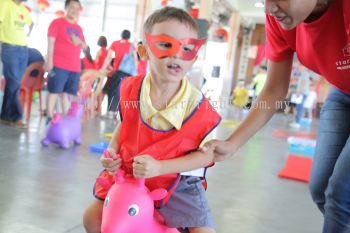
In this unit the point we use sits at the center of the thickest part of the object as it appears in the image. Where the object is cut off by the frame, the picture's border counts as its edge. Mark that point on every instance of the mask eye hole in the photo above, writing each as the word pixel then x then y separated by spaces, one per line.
pixel 188 48
pixel 133 210
pixel 164 45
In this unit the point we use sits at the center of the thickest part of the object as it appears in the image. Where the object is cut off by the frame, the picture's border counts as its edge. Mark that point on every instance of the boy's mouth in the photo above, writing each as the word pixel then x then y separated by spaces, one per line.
pixel 174 68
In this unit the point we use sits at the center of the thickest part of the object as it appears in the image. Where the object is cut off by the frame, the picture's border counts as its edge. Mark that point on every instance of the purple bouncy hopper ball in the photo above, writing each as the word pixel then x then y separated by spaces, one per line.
pixel 62 130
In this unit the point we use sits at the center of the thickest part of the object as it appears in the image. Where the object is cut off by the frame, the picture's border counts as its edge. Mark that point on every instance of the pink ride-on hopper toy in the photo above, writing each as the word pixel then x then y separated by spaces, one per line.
pixel 64 129
pixel 129 207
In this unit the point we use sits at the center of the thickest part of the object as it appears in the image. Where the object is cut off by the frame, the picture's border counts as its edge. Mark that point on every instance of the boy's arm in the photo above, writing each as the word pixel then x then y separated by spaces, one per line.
pixel 145 166
pixel 114 143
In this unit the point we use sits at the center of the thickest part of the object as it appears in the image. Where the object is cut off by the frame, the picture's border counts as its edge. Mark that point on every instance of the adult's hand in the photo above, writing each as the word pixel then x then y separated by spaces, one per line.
pixel 222 149
pixel 48 66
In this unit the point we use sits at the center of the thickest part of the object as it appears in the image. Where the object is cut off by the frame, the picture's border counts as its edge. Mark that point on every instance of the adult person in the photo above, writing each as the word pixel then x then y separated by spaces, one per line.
pixel 65 41
pixel 319 32
pixel 119 49
pixel 14 18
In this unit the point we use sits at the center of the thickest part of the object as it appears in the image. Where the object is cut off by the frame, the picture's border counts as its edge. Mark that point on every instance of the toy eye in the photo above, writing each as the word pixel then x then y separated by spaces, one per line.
pixel 133 210
pixel 106 202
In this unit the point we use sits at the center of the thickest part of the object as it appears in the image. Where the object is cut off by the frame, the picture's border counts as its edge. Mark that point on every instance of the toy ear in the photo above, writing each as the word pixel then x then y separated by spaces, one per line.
pixel 158 194
pixel 103 182
pixel 141 50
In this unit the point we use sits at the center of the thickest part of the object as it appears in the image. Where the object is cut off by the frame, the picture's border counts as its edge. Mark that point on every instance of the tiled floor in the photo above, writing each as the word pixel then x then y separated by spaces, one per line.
pixel 45 190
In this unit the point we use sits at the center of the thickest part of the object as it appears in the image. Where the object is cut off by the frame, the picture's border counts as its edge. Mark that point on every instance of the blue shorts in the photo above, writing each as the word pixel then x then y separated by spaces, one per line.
pixel 61 80
pixel 188 206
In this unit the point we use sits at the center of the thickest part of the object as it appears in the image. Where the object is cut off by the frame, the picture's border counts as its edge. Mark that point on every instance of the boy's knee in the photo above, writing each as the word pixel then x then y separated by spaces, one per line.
pixel 93 217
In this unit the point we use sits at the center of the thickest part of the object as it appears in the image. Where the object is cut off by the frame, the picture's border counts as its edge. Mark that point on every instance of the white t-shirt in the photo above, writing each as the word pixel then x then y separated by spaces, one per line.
pixel 310 99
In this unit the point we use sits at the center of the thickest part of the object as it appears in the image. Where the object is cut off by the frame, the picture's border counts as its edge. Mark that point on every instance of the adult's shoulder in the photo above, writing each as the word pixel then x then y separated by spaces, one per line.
pixel 57 21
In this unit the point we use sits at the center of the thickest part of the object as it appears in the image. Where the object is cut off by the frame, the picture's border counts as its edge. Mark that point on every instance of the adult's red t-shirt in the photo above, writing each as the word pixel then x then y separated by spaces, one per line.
pixel 119 47
pixel 323 45
pixel 66 55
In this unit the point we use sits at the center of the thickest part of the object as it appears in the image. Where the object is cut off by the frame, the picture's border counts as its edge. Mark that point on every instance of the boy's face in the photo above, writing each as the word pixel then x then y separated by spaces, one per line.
pixel 172 68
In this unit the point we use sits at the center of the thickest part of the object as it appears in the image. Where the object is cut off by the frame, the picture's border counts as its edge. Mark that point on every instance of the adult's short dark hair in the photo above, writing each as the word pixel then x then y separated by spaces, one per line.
pixel 69 1
pixel 126 34
pixel 169 13
pixel 263 67
pixel 102 41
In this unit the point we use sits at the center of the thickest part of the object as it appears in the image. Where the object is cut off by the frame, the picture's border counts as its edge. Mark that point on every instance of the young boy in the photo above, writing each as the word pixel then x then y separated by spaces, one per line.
pixel 155 138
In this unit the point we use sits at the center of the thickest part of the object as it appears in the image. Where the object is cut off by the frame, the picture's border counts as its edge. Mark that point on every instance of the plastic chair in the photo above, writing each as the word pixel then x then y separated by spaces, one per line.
pixel 33 80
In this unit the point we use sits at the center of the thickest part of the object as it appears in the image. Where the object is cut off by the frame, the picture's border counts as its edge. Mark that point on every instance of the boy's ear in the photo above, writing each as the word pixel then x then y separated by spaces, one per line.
pixel 141 50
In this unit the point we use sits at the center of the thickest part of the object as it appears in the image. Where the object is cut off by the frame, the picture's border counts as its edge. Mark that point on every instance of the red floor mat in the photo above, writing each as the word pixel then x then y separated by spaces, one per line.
pixel 285 134
pixel 297 168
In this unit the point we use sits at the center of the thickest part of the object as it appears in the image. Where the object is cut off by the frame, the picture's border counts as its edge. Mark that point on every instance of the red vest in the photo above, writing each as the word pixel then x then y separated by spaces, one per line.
pixel 136 137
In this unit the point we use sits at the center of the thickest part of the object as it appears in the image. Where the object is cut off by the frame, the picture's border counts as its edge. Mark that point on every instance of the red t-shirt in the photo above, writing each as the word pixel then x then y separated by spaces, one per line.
pixel 323 45
pixel 119 47
pixel 88 65
pixel 66 55
pixel 101 58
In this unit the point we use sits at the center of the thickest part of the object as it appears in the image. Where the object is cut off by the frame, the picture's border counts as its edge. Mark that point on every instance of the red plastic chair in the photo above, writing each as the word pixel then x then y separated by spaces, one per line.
pixel 31 84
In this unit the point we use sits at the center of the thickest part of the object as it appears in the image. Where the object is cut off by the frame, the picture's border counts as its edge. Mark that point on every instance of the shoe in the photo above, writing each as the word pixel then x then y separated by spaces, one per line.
pixel 48 120
pixel 294 125
pixel 20 124
pixel 5 122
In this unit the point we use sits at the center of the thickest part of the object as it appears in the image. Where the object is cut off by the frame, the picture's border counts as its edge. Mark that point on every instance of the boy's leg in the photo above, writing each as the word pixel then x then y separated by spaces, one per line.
pixel 188 207
pixel 93 217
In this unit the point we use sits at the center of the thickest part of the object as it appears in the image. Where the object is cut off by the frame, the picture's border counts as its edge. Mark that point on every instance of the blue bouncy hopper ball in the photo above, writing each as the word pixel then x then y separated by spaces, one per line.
pixel 99 147
pixel 305 122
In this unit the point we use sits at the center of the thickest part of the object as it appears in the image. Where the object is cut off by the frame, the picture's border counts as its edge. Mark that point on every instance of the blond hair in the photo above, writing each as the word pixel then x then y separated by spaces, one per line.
pixel 169 13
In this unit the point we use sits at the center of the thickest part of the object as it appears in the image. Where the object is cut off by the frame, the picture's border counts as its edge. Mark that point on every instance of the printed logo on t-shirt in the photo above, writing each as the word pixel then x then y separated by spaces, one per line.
pixel 20 22
pixel 344 64
pixel 346 50
pixel 72 31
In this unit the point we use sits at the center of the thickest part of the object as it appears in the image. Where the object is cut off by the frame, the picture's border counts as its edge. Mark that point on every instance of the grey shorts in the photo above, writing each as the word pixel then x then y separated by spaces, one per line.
pixel 188 206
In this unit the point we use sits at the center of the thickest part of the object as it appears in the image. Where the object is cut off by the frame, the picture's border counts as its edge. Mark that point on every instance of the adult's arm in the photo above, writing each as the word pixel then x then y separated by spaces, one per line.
pixel 50 49
pixel 107 61
pixel 274 91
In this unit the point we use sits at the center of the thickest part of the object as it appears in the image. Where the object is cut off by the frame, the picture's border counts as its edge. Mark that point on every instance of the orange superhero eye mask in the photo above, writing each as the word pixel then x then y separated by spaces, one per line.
pixel 163 46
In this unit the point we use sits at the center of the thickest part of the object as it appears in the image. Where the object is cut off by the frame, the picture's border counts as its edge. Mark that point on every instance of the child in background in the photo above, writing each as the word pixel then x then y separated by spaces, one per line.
pixel 141 64
pixel 310 102
pixel 155 139
pixel 87 63
pixel 102 53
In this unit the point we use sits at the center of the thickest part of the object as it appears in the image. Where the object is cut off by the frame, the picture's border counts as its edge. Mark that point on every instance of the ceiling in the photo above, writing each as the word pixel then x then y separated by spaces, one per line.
pixel 248 10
